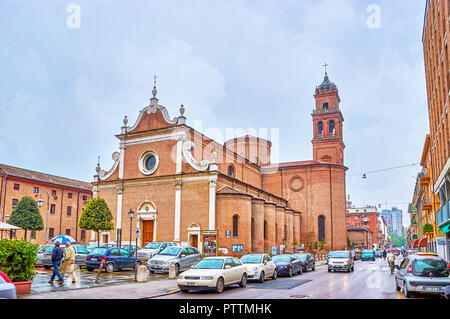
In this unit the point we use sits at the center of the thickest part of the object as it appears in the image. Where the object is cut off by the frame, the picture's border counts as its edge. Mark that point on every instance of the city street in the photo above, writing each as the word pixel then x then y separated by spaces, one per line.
pixel 370 280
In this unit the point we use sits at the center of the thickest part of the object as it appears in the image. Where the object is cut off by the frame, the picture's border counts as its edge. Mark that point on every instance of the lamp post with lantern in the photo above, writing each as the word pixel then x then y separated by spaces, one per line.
pixel 40 202
pixel 131 215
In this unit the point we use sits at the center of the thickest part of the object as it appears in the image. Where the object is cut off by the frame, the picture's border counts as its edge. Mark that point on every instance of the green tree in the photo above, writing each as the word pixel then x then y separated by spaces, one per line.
pixel 97 217
pixel 26 215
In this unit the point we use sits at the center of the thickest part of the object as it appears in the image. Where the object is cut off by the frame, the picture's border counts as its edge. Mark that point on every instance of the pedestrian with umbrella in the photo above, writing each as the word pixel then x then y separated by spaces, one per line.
pixel 57 255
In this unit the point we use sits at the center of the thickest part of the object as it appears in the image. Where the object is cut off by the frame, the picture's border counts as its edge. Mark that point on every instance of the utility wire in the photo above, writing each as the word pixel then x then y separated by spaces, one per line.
pixel 385 169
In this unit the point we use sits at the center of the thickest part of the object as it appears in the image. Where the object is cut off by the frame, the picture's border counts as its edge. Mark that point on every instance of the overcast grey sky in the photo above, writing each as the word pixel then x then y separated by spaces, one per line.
pixel 233 64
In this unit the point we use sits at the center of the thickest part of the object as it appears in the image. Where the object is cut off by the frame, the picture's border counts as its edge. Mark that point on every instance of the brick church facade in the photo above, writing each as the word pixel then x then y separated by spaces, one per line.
pixel 180 183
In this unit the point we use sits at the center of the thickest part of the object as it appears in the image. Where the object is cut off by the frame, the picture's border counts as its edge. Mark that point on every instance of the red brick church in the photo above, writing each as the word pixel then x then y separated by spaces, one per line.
pixel 183 186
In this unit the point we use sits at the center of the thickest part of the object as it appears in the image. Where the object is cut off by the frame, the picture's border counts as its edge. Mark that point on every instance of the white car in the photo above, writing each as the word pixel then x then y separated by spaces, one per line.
pixel 213 273
pixel 259 267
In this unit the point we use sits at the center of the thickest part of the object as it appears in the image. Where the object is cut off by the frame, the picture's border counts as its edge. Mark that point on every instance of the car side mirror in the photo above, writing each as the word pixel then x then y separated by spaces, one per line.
pixel 182 255
pixel 265 262
pixel 227 267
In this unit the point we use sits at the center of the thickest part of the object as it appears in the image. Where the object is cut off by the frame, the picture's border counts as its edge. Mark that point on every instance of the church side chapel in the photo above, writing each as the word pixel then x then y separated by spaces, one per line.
pixel 181 185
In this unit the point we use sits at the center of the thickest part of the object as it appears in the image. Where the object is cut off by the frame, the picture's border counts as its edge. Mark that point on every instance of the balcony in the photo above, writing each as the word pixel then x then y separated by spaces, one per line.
pixel 424 177
pixel 443 215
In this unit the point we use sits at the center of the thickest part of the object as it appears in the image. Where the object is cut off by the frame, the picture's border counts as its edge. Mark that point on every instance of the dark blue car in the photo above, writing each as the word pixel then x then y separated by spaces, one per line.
pixel 287 265
pixel 115 258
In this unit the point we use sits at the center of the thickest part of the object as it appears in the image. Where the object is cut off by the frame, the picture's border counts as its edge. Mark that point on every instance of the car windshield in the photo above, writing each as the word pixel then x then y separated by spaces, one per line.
pixel 171 251
pixel 98 251
pixel 47 249
pixel 367 251
pixel 283 259
pixel 301 256
pixel 252 259
pixel 209 264
pixel 430 268
pixel 339 254
pixel 152 246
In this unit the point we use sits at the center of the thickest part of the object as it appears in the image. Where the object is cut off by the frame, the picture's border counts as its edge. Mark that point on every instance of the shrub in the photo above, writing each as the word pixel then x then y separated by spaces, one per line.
pixel 17 259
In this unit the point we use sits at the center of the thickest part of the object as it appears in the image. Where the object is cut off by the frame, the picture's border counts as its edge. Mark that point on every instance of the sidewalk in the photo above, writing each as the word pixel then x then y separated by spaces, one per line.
pixel 151 288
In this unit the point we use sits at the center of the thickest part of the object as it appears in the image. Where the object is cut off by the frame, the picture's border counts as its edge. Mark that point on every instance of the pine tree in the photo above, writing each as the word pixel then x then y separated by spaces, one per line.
pixel 97 217
pixel 26 215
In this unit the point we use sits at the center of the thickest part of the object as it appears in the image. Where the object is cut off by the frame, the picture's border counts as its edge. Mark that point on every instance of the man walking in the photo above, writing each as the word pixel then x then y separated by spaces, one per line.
pixel 69 262
pixel 57 255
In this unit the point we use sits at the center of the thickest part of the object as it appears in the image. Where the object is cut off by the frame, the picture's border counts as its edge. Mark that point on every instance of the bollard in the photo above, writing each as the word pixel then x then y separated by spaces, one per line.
pixel 141 274
pixel 172 272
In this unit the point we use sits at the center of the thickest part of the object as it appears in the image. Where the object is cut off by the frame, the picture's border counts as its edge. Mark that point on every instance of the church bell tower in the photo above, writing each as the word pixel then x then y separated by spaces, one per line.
pixel 328 145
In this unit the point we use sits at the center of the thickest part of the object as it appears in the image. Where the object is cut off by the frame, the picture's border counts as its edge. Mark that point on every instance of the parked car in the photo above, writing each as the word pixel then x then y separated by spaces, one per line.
pixel 7 288
pixel 379 254
pixel 424 253
pixel 259 267
pixel 80 255
pixel 131 248
pixel 115 258
pixel 328 257
pixel 341 260
pixel 213 273
pixel 287 265
pixel 422 274
pixel 151 249
pixel 307 261
pixel 108 246
pixel 89 247
pixel 182 257
pixel 368 254
pixel 41 252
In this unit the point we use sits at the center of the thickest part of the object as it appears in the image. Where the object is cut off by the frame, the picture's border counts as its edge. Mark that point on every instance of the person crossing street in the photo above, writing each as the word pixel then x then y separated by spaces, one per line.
pixel 57 255
pixel 69 262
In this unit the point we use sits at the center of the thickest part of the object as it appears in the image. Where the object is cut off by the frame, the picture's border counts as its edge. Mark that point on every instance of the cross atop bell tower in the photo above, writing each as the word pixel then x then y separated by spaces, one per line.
pixel 328 145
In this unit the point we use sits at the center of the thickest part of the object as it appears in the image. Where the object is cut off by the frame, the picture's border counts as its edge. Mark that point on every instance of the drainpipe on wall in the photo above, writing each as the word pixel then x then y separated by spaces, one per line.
pixel 76 220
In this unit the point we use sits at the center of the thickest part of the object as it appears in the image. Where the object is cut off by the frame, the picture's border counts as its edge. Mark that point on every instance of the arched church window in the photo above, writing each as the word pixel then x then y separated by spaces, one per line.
pixel 230 171
pixel 235 225
pixel 331 127
pixel 320 128
pixel 321 226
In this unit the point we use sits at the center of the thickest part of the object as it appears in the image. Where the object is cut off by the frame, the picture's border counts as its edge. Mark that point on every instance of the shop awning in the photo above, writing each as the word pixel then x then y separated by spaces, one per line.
pixel 416 243
pixel 5 226
pixel 423 242
pixel 444 229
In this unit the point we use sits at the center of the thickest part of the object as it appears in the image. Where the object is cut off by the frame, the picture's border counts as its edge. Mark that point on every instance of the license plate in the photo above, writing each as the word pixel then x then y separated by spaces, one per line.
pixel 94 259
pixel 432 289
pixel 191 283
pixel 338 266
pixel 156 266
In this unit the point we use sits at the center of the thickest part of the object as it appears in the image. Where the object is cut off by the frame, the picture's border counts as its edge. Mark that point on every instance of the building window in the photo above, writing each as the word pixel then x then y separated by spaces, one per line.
pixel 148 163
pixel 69 210
pixel 331 128
pixel 53 192
pixel 320 128
pixel 36 190
pixel 14 203
pixel 84 197
pixel 51 233
pixel 52 209
pixel 83 234
pixel 321 227
pixel 265 229
pixel 252 228
pixel 68 232
pixel 69 195
pixel 12 234
pixel 256 160
pixel 235 225
pixel 33 234
pixel 16 187
pixel 230 171
pixel 325 106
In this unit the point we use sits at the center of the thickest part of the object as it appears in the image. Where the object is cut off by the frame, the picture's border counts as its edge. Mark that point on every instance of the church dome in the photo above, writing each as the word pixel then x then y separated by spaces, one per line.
pixel 327 84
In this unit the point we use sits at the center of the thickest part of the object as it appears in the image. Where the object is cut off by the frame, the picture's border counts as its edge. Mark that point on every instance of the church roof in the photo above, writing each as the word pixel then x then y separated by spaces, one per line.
pixel 326 84
pixel 43 178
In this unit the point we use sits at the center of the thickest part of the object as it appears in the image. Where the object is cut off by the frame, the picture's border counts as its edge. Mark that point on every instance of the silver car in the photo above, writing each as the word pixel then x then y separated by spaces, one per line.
pixel 80 256
pixel 422 274
pixel 341 260
pixel 7 290
pixel 151 249
pixel 182 257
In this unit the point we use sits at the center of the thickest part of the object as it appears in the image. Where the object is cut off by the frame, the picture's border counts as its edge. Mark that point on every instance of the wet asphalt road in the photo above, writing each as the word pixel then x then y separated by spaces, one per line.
pixel 370 280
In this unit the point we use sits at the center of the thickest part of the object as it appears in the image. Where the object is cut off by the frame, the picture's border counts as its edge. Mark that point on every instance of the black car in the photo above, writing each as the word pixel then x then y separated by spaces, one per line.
pixel 287 265
pixel 308 262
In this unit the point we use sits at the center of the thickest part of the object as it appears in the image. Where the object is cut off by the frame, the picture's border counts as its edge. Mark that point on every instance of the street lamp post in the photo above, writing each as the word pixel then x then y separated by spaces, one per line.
pixel 40 202
pixel 131 215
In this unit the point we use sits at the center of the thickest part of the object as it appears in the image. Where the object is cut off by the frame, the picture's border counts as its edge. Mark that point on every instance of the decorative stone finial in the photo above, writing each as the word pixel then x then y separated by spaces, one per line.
pixel 125 121
pixel 214 156
pixel 154 91
pixel 98 168
pixel 182 109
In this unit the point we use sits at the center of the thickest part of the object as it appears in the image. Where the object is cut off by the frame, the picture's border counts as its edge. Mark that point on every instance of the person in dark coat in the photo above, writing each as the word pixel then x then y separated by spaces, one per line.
pixel 57 255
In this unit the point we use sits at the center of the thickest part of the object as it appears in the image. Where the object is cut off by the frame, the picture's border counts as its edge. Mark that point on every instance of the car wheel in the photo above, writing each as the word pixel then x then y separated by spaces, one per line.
pixel 243 282
pixel 353 268
pixel 300 270
pixel 407 293
pixel 305 269
pixel 314 268
pixel 109 268
pixel 275 274
pixel 46 267
pixel 219 285
pixel 329 270
pixel 89 269
pixel 290 272
pixel 261 277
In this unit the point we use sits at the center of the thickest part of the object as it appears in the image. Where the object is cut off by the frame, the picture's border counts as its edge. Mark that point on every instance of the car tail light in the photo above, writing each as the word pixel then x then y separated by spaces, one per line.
pixel 87 258
pixel 410 269
pixel 105 258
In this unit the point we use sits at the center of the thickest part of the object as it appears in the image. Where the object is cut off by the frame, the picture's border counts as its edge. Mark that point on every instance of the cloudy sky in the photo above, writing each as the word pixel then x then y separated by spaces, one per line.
pixel 65 87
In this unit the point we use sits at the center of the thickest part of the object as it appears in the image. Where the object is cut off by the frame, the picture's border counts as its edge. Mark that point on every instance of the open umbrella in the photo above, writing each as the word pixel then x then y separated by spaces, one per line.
pixel 63 239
